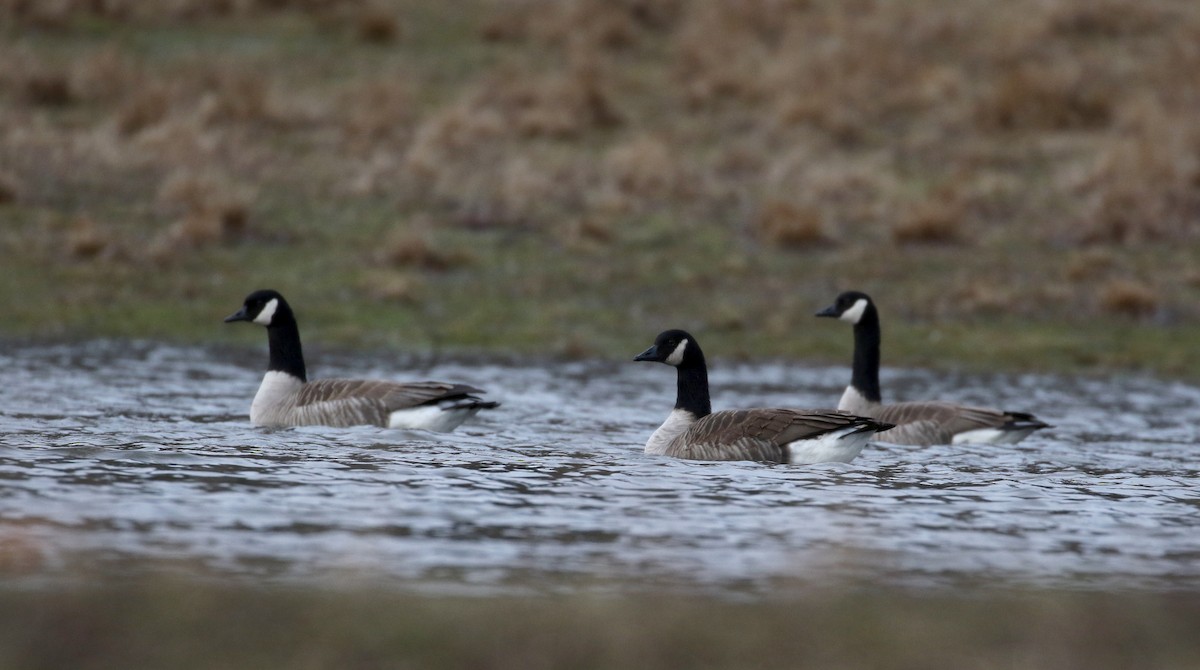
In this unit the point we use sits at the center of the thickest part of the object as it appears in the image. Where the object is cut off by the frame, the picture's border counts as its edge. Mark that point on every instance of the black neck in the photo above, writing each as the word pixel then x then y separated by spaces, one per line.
pixel 866 355
pixel 692 384
pixel 283 338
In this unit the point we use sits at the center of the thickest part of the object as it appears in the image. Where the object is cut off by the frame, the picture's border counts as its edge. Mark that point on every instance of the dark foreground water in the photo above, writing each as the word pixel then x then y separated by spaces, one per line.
pixel 122 458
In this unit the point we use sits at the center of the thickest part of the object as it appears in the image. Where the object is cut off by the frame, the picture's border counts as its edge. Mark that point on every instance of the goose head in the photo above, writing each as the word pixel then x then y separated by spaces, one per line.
pixel 849 306
pixel 260 307
pixel 673 347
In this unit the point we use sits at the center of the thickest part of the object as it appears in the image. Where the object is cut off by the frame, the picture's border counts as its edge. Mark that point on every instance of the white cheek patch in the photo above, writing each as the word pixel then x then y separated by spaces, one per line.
pixel 855 313
pixel 268 312
pixel 676 356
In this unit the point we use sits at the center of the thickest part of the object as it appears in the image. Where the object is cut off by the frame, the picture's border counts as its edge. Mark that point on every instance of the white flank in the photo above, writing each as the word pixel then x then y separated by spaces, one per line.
pixel 430 417
pixel 268 312
pixel 676 356
pixel 840 446
pixel 855 313
pixel 275 396
pixel 677 421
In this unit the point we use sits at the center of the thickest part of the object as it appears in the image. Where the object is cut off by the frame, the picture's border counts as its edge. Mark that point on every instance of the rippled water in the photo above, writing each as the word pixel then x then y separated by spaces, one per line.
pixel 116 456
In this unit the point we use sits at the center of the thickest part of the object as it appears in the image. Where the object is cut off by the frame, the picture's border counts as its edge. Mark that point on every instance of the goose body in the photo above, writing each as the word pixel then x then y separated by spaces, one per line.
pixel 692 430
pixel 287 398
pixel 921 422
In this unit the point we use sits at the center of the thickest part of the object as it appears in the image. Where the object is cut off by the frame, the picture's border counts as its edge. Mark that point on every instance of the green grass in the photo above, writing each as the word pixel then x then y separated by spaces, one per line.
pixel 522 293
pixel 512 297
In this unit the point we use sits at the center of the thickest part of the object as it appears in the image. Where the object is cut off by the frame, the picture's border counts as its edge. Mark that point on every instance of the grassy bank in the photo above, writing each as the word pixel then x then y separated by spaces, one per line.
pixel 1017 183
pixel 187 625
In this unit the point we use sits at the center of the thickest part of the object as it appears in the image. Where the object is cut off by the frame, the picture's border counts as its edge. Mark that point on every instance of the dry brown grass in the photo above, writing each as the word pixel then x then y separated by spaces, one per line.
pixel 558 105
pixel 106 75
pixel 710 76
pixel 1129 297
pixel 936 220
pixel 1045 96
pixel 447 138
pixel 61 15
pixel 604 24
pixel 196 230
pixel 196 192
pixel 791 225
pixel 395 286
pixel 214 211
pixel 1089 264
pixel 985 297
pixel 379 110
pixel 87 240
pixel 644 167
pixel 1108 18
pixel 145 108
pixel 1045 129
pixel 10 188
pixel 232 94
pixel 377 25
pixel 1142 189
pixel 413 246
pixel 590 233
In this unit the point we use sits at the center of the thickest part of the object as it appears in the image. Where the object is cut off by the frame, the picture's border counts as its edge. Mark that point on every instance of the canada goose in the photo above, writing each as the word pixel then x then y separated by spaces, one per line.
pixel 287 398
pixel 693 430
pixel 922 422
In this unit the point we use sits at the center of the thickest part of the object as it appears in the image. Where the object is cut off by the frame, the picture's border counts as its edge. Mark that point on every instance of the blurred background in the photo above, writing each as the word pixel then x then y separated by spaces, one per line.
pixel 1017 183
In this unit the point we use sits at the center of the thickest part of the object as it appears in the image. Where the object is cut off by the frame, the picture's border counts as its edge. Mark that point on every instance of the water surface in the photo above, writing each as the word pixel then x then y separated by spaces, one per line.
pixel 118 458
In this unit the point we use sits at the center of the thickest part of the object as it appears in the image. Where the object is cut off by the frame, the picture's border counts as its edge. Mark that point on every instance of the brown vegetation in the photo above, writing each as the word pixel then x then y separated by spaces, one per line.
pixel 1042 97
pixel 790 225
pixel 413 246
pixel 1090 264
pixel 392 286
pixel 1129 297
pixel 10 189
pixel 87 240
pixel 972 132
pixel 937 220
pixel 213 212
pixel 378 25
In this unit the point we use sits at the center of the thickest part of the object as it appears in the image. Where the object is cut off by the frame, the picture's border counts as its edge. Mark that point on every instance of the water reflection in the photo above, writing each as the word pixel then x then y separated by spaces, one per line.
pixel 116 456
